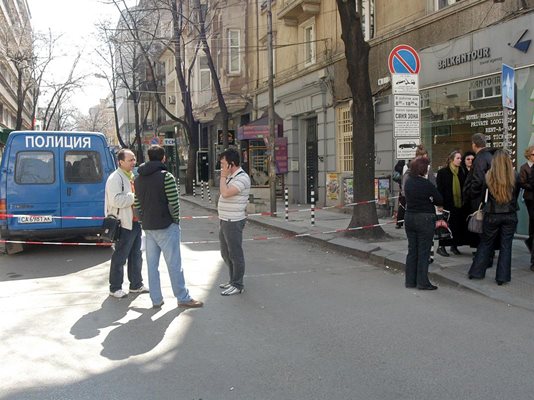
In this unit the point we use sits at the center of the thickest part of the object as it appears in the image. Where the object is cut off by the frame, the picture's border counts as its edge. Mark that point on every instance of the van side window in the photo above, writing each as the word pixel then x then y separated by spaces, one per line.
pixel 83 167
pixel 34 167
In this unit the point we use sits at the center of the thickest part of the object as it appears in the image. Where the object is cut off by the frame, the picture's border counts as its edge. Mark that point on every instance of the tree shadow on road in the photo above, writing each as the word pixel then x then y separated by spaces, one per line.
pixel 45 262
pixel 138 336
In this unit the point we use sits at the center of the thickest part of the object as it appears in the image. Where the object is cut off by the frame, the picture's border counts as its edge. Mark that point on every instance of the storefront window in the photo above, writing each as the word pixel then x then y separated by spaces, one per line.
pixel 451 114
pixel 258 163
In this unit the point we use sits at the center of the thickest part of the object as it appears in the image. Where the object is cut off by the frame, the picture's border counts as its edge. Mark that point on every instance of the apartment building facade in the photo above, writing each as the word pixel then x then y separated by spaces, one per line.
pixel 15 38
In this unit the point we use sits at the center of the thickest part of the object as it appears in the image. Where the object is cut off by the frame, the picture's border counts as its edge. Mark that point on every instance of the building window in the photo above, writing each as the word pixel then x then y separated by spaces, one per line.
pixel 444 3
pixel 368 18
pixel 204 74
pixel 308 30
pixel 452 113
pixel 344 139
pixel 234 44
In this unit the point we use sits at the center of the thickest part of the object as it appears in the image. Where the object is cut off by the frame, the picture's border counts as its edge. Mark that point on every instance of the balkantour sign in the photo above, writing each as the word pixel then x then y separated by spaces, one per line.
pixel 403 59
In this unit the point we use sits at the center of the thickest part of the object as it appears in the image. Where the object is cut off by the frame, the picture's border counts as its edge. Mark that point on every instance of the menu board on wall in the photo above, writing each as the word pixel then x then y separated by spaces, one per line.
pixel 497 135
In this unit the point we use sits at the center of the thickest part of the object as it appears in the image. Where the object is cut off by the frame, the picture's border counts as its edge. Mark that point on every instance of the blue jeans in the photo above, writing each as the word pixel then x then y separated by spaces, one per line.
pixel 166 241
pixel 495 226
pixel 231 238
pixel 420 232
pixel 127 248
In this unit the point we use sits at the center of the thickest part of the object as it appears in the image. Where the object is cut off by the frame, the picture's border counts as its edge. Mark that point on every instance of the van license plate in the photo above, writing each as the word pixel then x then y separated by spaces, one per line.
pixel 35 219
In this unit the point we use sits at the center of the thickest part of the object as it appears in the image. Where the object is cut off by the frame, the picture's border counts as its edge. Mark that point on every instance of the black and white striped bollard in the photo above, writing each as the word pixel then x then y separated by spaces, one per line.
pixel 209 192
pixel 286 200
pixel 313 208
pixel 202 190
pixel 194 184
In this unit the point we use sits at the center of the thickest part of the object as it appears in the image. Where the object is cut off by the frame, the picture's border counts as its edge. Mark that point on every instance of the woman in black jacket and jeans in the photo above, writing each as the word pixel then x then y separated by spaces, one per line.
pixel 420 222
pixel 500 219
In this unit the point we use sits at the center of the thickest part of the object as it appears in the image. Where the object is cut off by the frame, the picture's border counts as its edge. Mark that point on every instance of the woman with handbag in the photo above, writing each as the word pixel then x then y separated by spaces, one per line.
pixel 422 197
pixel 450 181
pixel 500 219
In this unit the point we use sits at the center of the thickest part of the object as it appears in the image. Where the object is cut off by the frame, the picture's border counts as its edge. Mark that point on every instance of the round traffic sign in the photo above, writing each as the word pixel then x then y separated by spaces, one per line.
pixel 403 59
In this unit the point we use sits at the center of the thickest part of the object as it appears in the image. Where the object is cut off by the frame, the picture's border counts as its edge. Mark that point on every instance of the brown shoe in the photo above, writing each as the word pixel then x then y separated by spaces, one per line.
pixel 191 304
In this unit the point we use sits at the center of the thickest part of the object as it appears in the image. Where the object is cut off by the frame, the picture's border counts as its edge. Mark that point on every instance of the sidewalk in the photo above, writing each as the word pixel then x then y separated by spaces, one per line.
pixel 391 252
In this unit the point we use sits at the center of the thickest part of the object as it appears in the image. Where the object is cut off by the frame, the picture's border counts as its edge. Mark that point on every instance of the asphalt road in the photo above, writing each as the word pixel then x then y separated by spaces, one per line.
pixel 311 324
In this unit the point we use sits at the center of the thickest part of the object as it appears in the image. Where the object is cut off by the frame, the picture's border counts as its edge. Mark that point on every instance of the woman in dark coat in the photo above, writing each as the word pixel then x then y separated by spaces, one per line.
pixel 420 220
pixel 450 182
pixel 525 173
pixel 500 219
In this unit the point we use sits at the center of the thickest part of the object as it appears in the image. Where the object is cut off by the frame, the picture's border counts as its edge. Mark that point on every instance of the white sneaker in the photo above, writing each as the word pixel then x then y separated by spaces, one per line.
pixel 119 294
pixel 232 290
pixel 142 289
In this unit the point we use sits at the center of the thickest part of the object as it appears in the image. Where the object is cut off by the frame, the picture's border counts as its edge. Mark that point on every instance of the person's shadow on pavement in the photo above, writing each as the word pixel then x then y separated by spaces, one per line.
pixel 137 336
pixel 111 311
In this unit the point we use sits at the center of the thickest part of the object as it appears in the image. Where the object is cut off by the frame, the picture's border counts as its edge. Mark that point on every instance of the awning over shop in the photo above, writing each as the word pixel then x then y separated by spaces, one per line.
pixel 4 133
pixel 259 129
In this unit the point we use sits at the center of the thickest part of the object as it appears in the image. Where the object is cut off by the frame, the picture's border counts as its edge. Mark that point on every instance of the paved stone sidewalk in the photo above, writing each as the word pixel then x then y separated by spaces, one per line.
pixel 391 252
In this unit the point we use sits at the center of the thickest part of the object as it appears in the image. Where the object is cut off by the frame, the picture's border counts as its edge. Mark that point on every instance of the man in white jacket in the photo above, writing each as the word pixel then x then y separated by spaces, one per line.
pixel 119 202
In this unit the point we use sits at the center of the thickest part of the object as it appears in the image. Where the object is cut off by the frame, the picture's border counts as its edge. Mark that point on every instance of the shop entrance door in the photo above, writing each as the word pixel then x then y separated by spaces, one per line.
pixel 312 167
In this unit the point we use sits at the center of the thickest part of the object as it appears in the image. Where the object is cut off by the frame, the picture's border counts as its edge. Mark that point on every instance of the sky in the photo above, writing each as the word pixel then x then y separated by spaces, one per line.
pixel 75 21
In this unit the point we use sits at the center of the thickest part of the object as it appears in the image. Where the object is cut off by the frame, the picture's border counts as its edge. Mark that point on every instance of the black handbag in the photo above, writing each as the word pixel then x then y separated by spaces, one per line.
pixel 111 229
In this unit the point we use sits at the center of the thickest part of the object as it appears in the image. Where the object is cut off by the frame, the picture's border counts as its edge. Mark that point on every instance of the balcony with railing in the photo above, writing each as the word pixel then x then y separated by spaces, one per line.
pixel 291 11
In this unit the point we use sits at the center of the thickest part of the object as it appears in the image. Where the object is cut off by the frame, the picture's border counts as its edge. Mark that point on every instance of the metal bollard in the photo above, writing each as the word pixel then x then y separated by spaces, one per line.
pixel 286 200
pixel 313 208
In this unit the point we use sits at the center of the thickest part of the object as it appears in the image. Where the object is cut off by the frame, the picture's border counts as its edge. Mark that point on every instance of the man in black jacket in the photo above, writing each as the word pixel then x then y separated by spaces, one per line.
pixel 157 200
pixel 475 182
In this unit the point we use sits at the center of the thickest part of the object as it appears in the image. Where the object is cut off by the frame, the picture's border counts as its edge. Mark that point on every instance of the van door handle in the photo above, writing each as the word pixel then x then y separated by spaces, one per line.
pixel 69 191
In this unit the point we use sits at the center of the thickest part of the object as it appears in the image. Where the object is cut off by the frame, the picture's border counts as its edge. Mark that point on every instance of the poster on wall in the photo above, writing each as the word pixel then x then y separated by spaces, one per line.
pixel 382 190
pixel 507 87
pixel 332 186
pixel 348 191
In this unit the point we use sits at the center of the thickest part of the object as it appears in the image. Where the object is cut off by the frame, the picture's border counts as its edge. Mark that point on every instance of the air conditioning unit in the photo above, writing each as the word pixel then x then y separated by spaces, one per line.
pixel 172 99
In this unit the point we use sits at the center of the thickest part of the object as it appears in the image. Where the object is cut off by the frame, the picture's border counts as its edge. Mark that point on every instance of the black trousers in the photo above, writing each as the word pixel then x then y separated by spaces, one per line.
pixel 420 232
pixel 496 226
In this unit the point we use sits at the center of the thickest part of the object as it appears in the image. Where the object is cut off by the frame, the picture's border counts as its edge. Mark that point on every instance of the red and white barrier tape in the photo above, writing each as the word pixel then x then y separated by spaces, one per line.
pixel 256 238
pixel 57 243
pixel 191 217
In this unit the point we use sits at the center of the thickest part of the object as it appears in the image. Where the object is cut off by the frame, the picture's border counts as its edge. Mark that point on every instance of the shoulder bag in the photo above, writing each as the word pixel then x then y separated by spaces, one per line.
pixel 475 220
pixel 112 226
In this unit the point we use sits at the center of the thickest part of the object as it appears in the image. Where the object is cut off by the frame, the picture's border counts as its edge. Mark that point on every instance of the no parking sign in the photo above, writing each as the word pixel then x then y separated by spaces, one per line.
pixel 403 59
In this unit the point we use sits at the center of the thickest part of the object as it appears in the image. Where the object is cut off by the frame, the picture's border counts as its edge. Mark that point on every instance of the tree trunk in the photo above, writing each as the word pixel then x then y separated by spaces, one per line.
pixel 215 78
pixel 363 143
pixel 20 99
pixel 191 124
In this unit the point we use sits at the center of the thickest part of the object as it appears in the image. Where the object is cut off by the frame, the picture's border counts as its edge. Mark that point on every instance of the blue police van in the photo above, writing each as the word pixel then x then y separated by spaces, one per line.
pixel 45 175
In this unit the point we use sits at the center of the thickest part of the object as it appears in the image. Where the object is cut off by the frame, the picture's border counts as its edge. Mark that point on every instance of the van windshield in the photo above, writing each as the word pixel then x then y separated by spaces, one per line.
pixel 34 167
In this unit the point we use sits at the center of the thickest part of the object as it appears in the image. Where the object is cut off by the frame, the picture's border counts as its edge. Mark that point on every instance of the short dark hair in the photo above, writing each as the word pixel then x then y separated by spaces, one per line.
pixel 121 154
pixel 419 166
pixel 479 140
pixel 231 156
pixel 156 152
